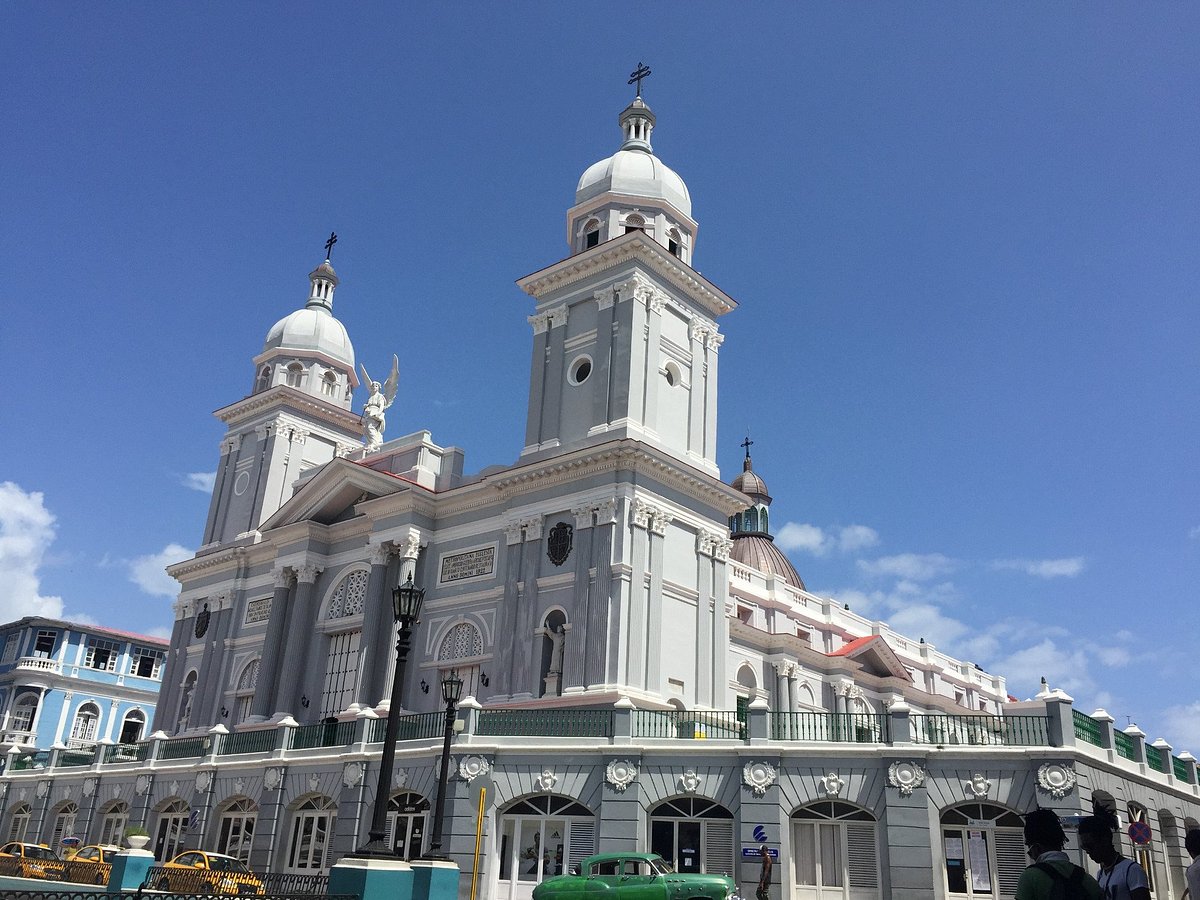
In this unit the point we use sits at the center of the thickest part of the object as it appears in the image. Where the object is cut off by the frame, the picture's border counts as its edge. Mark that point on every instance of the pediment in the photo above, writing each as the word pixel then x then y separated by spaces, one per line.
pixel 875 657
pixel 332 494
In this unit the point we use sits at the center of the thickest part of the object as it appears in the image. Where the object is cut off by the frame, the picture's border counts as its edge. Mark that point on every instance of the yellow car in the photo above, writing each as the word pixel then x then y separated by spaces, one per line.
pixel 91 864
pixel 199 872
pixel 26 860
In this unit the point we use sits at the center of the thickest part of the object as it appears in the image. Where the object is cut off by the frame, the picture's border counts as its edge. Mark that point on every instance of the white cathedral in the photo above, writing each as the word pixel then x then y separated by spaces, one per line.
pixel 644 668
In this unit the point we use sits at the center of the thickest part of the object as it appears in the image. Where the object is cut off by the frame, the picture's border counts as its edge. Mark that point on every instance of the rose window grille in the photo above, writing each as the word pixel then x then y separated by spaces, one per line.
pixel 349 596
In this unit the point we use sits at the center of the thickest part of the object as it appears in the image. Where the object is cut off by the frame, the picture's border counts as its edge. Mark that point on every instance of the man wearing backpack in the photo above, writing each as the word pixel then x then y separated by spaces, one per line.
pixel 1052 876
pixel 1119 877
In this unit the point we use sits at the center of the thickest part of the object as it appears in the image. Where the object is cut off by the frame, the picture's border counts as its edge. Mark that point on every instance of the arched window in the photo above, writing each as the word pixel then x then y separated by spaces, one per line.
pixel 591 234
pixel 984 850
pixel 835 847
pixel 329 383
pixel 312 826
pixel 1141 852
pixel 114 818
pixel 542 836
pixel 634 222
pixel 132 727
pixel 24 712
pixel 169 831
pixel 762 519
pixel 64 824
pixel 675 242
pixel 408 815
pixel 750 519
pixel 83 732
pixel 264 379
pixel 693 833
pixel 345 646
pixel 245 690
pixel 18 823
pixel 236 829
pixel 295 375
pixel 460 650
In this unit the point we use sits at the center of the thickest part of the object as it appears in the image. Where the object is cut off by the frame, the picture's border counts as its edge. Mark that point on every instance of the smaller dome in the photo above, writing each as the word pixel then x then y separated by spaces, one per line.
pixel 758 551
pixel 312 330
pixel 749 483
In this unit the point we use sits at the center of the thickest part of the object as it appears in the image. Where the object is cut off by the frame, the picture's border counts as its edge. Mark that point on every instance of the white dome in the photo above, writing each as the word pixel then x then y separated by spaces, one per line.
pixel 635 173
pixel 312 330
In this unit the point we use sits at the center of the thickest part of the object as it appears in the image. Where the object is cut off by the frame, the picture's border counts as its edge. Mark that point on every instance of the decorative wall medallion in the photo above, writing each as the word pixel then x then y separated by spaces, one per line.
pixel 272 778
pixel 689 781
pixel 558 545
pixel 352 774
pixel 89 787
pixel 620 773
pixel 174 787
pixel 1056 779
pixel 23 794
pixel 758 776
pixel 202 621
pixel 66 794
pixel 314 781
pixel 471 767
pixel 116 791
pixel 203 781
pixel 42 789
pixel 142 784
pixel 906 775
pixel 546 780
pixel 978 786
pixel 400 778
pixel 239 786
pixel 832 784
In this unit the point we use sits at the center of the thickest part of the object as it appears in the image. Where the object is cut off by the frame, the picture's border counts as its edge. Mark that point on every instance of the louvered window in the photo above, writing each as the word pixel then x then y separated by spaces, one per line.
pixel 835 847
pixel 543 836
pixel 341 672
pixel 1010 859
pixel 64 824
pixel 19 824
pixel 694 835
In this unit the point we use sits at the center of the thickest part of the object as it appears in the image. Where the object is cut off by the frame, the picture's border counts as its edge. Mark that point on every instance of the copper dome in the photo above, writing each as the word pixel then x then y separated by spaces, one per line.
pixel 758 551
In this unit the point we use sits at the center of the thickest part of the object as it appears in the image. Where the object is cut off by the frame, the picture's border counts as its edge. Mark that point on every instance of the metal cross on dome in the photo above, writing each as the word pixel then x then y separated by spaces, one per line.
pixel 747 443
pixel 329 245
pixel 638 74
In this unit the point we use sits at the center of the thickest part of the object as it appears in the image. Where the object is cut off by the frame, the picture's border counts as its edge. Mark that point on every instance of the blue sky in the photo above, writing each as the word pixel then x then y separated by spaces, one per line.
pixel 964 238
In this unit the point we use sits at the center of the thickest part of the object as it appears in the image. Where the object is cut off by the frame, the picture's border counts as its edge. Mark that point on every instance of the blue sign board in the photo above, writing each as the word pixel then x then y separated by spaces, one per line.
pixel 755 853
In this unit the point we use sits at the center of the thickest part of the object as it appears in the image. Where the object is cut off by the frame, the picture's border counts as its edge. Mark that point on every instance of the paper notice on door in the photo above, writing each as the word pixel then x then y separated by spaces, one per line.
pixel 954 848
pixel 981 876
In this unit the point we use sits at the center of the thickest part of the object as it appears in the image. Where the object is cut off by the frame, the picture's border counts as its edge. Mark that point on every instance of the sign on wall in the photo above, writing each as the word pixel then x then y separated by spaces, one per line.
pixel 476 563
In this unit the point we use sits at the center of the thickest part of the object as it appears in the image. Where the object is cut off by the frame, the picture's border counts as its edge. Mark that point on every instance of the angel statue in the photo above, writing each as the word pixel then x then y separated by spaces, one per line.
pixel 373 420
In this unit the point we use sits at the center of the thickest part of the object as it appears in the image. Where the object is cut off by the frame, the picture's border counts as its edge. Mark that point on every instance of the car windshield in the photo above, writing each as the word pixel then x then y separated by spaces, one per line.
pixel 660 866
pixel 39 853
pixel 225 864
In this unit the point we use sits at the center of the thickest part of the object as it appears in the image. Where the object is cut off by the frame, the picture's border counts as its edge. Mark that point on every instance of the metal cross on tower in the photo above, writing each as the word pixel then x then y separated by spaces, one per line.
pixel 638 74
pixel 747 443
pixel 329 245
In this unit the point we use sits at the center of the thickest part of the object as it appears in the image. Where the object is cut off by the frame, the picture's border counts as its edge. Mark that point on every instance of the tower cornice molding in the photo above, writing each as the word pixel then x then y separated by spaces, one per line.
pixel 294 401
pixel 634 246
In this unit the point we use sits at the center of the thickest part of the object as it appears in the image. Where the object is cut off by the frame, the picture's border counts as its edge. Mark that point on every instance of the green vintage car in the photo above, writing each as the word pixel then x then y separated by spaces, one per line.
pixel 633 876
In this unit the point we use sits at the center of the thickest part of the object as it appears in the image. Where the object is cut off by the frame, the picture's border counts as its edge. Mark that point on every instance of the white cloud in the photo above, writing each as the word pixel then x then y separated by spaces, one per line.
pixel 147 572
pixel 200 481
pixel 821 541
pixel 157 632
pixel 1183 727
pixel 26 531
pixel 1068 567
pixel 911 566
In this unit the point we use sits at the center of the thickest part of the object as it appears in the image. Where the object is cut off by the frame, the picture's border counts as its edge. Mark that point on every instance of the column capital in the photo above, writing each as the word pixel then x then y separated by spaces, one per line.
pixel 605 297
pixel 540 322
pixel 559 315
pixel 606 511
pixel 533 529
pixel 514 533
pixel 283 576
pixel 307 573
pixel 583 517
pixel 657 302
pixel 231 443
pixel 379 552
pixel 409 545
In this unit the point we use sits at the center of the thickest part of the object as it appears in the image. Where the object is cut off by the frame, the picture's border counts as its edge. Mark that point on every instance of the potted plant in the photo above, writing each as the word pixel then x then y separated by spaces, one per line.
pixel 137 837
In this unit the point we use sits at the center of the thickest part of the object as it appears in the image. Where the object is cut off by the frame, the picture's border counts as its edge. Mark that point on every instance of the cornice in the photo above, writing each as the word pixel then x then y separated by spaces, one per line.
pixel 282 395
pixel 628 247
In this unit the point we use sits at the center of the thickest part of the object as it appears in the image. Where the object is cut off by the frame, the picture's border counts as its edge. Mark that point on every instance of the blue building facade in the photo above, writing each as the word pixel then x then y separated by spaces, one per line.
pixel 70 685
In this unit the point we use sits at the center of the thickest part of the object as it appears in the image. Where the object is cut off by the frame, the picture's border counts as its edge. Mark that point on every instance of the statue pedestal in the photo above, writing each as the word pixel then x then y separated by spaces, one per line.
pixel 434 879
pixel 372 879
pixel 551 682
pixel 129 869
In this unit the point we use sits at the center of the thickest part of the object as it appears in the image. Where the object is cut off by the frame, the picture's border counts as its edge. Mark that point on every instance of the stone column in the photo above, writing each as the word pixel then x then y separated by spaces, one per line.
pixel 522 664
pixel 300 626
pixel 555 363
pixel 537 380
pixel 571 679
pixel 711 344
pixel 267 690
pixel 791 689
pixel 602 363
pixel 639 290
pixel 635 673
pixel 654 602
pixel 220 494
pixel 655 304
pixel 380 623
pixel 705 542
pixel 720 639
pixel 598 646
pixel 781 688
pixel 697 333
pixel 906 837
pixel 207 700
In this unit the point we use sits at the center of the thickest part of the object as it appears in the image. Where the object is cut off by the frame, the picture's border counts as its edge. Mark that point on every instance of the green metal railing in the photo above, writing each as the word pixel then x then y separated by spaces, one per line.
pixel 331 734
pixel 1124 744
pixel 554 722
pixel 183 748
pixel 119 753
pixel 1181 768
pixel 1156 759
pixel 852 728
pixel 419 726
pixel 689 724
pixel 1086 728
pixel 260 741
pixel 1006 731
pixel 38 759
pixel 70 759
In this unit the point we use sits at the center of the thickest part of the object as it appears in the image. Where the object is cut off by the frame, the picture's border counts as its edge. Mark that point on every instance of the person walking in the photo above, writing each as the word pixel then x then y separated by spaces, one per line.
pixel 1052 876
pixel 1120 878
pixel 1191 843
pixel 764 874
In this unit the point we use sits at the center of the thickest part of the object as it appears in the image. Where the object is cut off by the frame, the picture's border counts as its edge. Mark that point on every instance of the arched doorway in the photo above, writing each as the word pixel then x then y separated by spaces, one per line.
pixel 407 822
pixel 312 827
pixel 64 825
pixel 1177 859
pixel 539 837
pixel 835 852
pixel 114 816
pixel 169 831
pixel 18 821
pixel 694 834
pixel 235 828
pixel 983 850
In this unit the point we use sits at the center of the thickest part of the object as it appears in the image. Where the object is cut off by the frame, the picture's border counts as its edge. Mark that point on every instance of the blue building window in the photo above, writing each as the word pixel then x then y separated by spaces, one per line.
pixel 102 655
pixel 146 663
pixel 44 645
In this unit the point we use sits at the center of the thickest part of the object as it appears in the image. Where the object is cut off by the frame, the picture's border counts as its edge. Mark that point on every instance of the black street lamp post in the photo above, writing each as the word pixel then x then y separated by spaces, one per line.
pixel 406 607
pixel 451 693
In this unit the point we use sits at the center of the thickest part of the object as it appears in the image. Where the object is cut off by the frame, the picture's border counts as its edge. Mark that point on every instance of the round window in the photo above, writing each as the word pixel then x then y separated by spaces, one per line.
pixel 580 370
pixel 671 373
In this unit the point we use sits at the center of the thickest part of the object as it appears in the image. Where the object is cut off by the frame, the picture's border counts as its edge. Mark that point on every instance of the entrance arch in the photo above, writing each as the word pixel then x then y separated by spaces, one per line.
pixel 541 836
pixel 694 834
pixel 983 850
pixel 835 852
